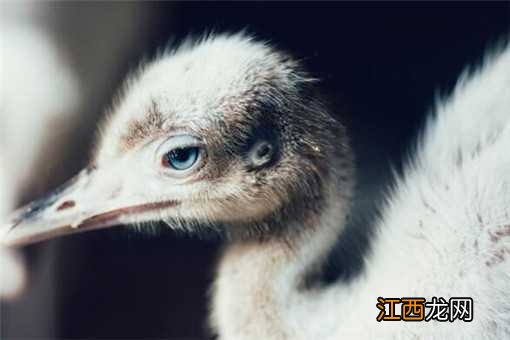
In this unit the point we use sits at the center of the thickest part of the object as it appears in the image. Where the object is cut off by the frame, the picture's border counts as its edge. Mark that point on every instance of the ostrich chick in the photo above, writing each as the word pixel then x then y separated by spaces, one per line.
pixel 231 135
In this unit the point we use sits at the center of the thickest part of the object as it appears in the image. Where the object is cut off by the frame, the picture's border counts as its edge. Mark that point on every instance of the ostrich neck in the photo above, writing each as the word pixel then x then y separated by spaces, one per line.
pixel 260 290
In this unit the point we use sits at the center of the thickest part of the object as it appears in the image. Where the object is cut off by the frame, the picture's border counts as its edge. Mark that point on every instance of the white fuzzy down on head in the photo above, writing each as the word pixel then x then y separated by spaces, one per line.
pixel 191 82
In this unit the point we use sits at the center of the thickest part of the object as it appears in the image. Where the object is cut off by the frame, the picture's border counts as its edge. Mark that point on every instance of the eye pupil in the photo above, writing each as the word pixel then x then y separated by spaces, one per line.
pixel 180 155
pixel 181 158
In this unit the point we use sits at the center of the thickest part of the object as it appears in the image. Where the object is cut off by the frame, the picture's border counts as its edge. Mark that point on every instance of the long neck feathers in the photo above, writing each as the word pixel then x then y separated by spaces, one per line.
pixel 262 290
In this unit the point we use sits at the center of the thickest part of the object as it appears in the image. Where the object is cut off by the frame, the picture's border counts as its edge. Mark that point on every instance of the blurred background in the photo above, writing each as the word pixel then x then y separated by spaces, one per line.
pixel 383 65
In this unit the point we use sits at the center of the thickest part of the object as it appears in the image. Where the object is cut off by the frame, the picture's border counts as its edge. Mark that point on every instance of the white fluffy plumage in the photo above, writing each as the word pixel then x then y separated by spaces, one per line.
pixel 445 230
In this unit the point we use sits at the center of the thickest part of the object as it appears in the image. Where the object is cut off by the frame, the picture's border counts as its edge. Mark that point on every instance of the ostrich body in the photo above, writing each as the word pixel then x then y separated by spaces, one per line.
pixel 231 135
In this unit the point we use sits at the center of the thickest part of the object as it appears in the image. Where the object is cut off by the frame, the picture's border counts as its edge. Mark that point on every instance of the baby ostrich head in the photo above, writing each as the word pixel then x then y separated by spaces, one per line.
pixel 224 134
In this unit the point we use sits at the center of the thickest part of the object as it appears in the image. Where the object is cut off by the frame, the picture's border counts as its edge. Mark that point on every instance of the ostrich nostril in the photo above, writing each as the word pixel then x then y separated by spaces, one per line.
pixel 66 205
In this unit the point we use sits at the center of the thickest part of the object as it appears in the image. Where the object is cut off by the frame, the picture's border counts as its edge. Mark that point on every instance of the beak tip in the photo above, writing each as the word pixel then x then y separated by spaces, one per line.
pixel 13 233
pixel 6 226
pixel 5 238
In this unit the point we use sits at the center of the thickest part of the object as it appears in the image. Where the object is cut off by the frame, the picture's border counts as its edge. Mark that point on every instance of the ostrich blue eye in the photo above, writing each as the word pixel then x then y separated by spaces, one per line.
pixel 181 158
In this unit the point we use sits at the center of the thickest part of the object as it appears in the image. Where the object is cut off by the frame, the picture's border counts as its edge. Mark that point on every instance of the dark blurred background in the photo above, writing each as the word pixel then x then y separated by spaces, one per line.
pixel 383 64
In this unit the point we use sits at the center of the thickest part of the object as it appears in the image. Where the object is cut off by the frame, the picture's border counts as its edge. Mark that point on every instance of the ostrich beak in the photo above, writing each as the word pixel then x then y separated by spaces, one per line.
pixel 92 200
